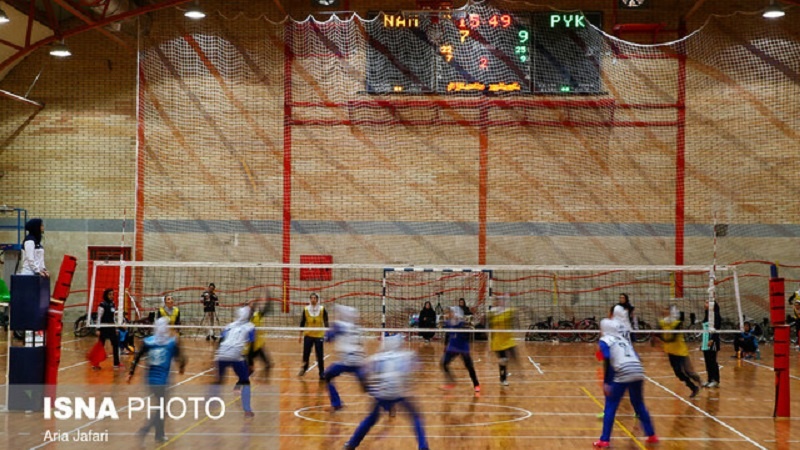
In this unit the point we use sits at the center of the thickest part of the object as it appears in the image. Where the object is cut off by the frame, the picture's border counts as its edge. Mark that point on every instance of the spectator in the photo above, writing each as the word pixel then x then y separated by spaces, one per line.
pixel 746 344
pixel 427 319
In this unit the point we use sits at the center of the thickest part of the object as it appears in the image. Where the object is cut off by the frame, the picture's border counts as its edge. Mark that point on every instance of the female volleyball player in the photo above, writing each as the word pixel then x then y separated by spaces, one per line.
pixel 161 348
pixel 349 348
pixel 230 353
pixel 623 372
pixel 501 317
pixel 457 345
pixel 677 351
pixel 387 375
pixel 314 316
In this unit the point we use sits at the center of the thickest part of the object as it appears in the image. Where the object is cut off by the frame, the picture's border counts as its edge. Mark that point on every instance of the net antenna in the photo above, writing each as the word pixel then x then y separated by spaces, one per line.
pixel 119 317
pixel 712 279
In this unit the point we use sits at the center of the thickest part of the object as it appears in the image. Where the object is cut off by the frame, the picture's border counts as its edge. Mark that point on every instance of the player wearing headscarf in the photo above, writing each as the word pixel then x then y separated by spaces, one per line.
pixel 314 316
pixel 623 372
pixel 230 353
pixel 387 378
pixel 349 349
pixel 457 345
pixel 161 348
pixel 501 317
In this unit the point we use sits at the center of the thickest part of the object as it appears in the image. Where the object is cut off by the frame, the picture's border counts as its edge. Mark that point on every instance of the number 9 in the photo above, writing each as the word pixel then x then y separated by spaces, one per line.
pixel 523 36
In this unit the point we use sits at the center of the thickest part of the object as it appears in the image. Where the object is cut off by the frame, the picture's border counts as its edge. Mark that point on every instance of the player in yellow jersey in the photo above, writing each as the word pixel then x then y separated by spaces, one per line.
pixel 314 316
pixel 501 317
pixel 676 349
pixel 258 349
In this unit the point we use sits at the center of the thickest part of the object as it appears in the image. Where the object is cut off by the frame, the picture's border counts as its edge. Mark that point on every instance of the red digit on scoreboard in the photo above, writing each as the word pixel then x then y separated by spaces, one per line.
pixel 483 63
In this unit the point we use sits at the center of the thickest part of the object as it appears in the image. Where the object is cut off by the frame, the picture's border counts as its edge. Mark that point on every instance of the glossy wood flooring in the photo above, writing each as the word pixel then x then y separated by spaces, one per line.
pixel 553 402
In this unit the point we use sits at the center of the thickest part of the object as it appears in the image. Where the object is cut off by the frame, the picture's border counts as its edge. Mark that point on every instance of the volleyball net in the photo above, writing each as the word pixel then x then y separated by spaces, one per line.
pixel 548 302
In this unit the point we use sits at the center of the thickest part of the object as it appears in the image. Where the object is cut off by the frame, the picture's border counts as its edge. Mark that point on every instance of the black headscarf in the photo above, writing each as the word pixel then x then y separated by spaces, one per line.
pixel 34 229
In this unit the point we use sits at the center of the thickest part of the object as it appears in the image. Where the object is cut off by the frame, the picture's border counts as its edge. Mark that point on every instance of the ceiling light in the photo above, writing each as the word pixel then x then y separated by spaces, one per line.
pixel 773 11
pixel 194 12
pixel 4 17
pixel 60 50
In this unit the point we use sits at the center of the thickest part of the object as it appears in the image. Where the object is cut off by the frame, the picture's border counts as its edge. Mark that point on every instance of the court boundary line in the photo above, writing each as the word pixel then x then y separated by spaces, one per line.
pixel 700 410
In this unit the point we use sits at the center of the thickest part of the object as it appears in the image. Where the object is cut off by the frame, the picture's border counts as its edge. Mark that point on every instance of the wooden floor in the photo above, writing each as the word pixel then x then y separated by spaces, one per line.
pixel 553 401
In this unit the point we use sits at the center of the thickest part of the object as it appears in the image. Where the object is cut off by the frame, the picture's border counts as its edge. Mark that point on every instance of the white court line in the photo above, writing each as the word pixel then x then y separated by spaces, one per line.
pixel 535 365
pixel 695 407
pixel 315 364
pixel 767 367
pixel 74 365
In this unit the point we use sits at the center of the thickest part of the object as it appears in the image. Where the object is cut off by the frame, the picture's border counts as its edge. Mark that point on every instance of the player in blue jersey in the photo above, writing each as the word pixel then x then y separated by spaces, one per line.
pixel 386 376
pixel 349 347
pixel 161 348
pixel 457 345
pixel 231 353
pixel 623 372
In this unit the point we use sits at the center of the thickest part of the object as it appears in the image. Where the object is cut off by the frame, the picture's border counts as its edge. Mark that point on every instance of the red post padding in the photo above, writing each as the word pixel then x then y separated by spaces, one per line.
pixel 782 391
pixel 65 275
pixel 55 324
pixel 777 301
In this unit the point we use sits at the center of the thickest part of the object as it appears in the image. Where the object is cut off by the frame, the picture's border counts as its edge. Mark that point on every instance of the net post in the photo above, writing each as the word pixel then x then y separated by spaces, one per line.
pixel 782 347
pixel 738 299
pixel 91 293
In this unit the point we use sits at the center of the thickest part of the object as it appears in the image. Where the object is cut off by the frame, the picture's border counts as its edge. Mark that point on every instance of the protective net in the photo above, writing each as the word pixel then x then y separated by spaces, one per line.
pixel 477 136
pixel 563 302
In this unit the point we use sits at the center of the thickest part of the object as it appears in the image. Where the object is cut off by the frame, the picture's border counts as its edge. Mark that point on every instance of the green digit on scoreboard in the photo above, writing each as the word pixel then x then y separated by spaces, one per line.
pixel 524 36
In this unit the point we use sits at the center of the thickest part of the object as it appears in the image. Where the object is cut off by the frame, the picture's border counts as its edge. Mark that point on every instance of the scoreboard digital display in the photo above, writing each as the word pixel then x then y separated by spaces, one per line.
pixel 484 52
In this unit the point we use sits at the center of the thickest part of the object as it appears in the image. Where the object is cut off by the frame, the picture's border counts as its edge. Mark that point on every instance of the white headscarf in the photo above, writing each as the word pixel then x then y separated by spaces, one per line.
pixel 243 314
pixel 161 331
pixel 346 314
pixel 610 327
pixel 314 310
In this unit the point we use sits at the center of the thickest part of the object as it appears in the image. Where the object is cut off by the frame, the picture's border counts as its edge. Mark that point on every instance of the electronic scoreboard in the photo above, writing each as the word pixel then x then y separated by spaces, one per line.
pixel 484 52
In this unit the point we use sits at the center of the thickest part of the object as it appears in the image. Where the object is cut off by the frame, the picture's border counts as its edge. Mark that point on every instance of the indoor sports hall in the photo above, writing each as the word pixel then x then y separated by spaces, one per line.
pixel 492 196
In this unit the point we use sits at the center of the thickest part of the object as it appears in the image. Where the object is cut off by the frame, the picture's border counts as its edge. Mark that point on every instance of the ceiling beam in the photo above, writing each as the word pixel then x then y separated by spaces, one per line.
pixel 84 28
pixel 90 21
pixel 20 98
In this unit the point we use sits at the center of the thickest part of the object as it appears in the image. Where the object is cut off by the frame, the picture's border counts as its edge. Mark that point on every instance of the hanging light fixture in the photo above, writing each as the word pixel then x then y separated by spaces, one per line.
pixel 4 17
pixel 194 12
pixel 60 50
pixel 773 11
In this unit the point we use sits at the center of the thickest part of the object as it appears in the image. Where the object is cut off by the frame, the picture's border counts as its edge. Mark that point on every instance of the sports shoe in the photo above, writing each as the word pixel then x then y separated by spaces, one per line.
pixel 602 444
pixel 707 384
pixel 478 388
pixel 249 414
pixel 301 373
pixel 504 383
pixel 695 391
pixel 348 447
pixel 119 367
pixel 208 338
pixel 652 439
pixel 160 439
pixel 95 367
pixel 713 384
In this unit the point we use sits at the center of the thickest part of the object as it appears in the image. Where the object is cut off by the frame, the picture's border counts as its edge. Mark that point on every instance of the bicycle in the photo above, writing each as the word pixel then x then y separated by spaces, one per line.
pixel 543 325
pixel 589 323
pixel 80 328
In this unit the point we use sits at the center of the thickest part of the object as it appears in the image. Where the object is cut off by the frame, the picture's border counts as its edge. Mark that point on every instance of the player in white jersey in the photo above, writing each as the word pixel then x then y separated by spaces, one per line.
pixel 349 349
pixel 623 372
pixel 622 319
pixel 230 353
pixel 387 378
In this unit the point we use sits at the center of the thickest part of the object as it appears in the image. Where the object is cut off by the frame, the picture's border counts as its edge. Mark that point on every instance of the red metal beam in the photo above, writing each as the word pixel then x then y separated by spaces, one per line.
pixel 90 21
pixel 81 29
pixel 20 98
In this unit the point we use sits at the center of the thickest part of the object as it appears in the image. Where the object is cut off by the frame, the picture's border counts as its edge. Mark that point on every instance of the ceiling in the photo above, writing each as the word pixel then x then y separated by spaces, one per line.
pixel 39 23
